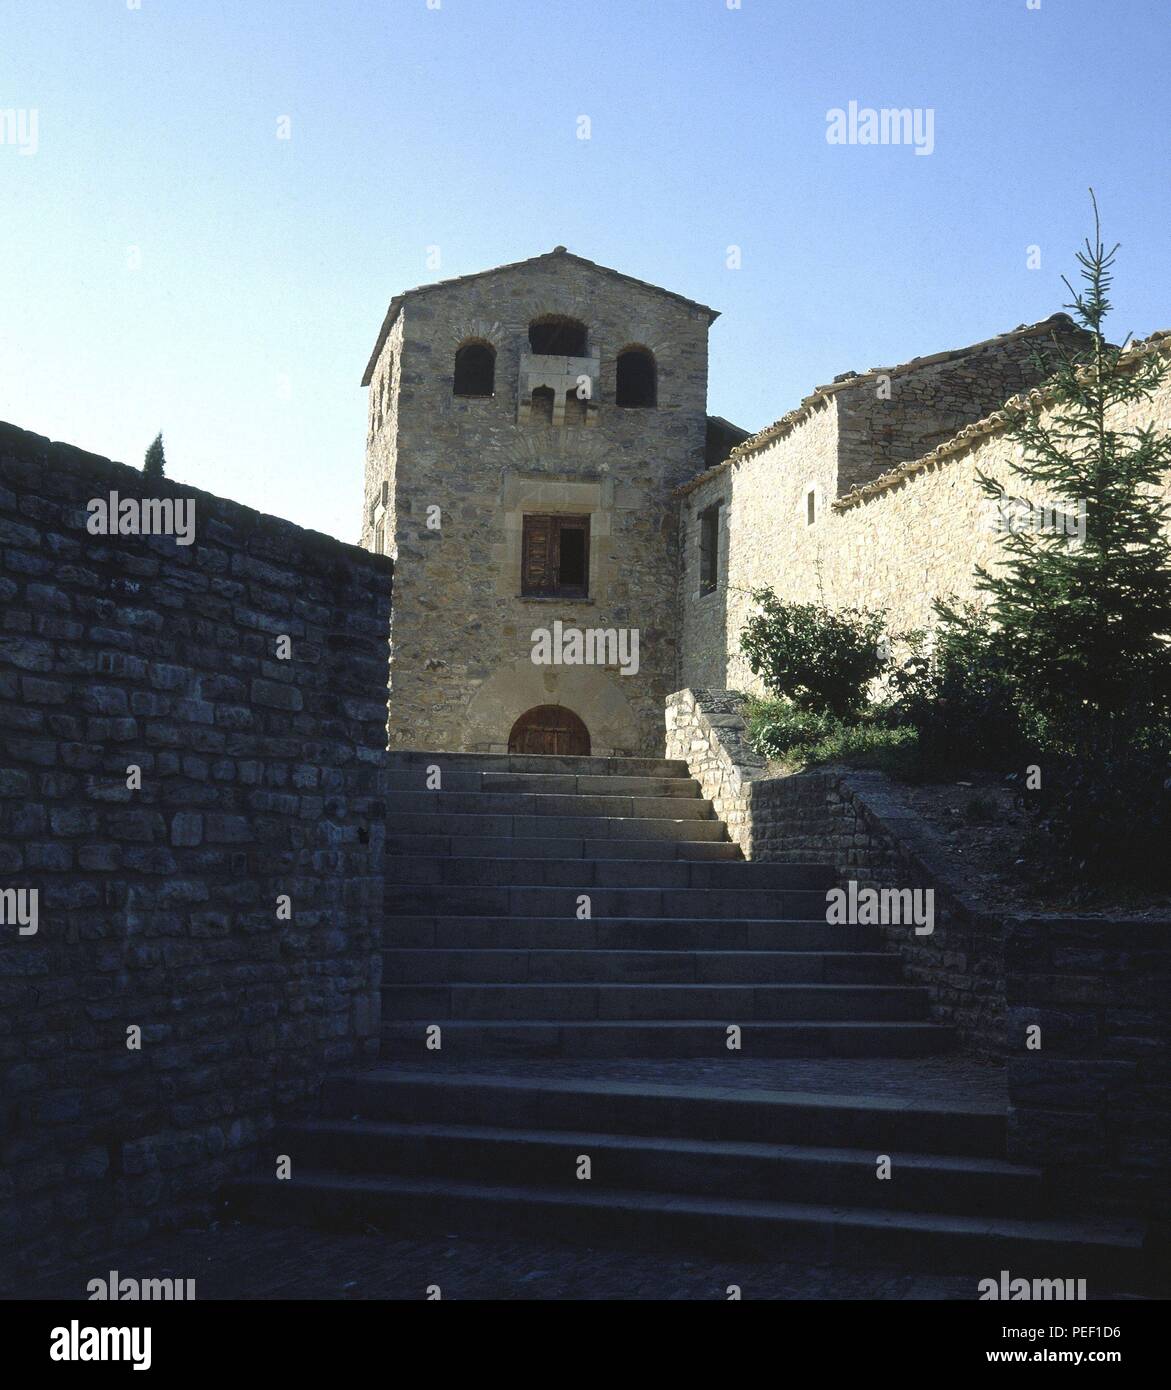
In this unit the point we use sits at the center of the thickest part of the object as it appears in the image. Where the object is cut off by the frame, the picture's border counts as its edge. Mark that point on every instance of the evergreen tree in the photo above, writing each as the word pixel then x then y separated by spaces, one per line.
pixel 154 462
pixel 1081 625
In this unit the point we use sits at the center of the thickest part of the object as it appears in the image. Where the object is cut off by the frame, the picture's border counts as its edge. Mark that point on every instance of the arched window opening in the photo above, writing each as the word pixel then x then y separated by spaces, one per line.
pixel 475 370
pixel 555 335
pixel 542 407
pixel 575 408
pixel 636 384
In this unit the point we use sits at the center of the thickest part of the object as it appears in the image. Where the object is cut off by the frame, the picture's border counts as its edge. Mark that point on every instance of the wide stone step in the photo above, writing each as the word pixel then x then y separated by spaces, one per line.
pixel 626 933
pixel 694 1111
pixel 517 804
pixel 548 1158
pixel 431 966
pixel 547 847
pixel 724 1003
pixel 542 763
pixel 454 900
pixel 419 778
pixel 464 824
pixel 466 1039
pixel 979 1245
pixel 610 873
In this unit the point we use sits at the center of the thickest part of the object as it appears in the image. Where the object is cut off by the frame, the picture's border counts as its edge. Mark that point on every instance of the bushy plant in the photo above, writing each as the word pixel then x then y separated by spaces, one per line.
pixel 820 659
pixel 1104 817
pixel 959 698
pixel 807 738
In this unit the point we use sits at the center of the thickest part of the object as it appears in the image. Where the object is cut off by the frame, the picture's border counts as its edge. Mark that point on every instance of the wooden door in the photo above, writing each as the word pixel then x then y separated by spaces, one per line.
pixel 549 729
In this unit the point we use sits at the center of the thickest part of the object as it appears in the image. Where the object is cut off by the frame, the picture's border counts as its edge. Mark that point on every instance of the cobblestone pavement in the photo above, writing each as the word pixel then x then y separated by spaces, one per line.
pixel 292 1262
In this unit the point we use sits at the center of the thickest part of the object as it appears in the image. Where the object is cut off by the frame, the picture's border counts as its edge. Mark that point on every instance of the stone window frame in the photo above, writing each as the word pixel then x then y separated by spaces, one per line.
pixel 637 350
pixel 549 495
pixel 560 522
pixel 709 576
pixel 463 346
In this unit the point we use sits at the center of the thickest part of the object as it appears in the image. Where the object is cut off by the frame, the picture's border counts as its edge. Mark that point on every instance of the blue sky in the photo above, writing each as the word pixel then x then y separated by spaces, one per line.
pixel 169 263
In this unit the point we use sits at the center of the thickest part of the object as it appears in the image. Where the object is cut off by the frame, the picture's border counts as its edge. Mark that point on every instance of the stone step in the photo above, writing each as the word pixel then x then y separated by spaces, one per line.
pixel 548 847
pixel 461 825
pixel 625 933
pixel 472 1040
pixel 609 873
pixel 980 1245
pixel 519 804
pixel 828 1119
pixel 542 763
pixel 415 779
pixel 455 900
pixel 431 966
pixel 547 1158
pixel 724 1003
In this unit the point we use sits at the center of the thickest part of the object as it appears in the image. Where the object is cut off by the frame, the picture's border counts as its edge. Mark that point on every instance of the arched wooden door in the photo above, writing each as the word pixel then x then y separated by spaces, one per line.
pixel 549 729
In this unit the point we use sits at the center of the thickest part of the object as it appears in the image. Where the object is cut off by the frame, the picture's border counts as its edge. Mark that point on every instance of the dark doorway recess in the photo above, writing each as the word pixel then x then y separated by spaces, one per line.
pixel 557 336
pixel 549 729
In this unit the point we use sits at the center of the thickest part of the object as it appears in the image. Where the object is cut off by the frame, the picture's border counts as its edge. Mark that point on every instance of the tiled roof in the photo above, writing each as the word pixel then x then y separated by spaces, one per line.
pixel 849 380
pixel 558 251
pixel 970 435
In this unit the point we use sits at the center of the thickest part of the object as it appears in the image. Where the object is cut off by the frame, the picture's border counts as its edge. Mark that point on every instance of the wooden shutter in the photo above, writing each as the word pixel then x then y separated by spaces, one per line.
pixel 539 555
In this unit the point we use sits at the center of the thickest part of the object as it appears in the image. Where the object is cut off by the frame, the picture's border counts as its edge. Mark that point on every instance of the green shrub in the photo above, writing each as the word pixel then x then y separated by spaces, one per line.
pixel 959 699
pixel 806 738
pixel 1104 818
pixel 980 810
pixel 818 658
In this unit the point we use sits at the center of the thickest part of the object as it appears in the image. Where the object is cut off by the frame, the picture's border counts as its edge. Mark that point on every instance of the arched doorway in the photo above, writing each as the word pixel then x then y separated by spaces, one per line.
pixel 549 729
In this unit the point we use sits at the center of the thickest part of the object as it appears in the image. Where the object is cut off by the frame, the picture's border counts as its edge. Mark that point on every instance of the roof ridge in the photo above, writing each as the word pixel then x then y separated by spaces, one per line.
pixel 993 423
pixel 397 301
pixel 847 380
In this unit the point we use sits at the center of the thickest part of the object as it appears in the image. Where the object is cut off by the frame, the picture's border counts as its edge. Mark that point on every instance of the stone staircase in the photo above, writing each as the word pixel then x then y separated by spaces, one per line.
pixel 485 879
pixel 539 1010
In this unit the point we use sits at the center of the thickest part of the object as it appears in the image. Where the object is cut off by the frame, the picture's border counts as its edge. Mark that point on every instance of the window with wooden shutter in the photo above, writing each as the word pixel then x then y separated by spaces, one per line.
pixel 555 557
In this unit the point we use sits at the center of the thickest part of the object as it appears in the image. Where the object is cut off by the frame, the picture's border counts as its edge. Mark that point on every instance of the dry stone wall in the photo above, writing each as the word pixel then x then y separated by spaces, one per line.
pixel 157 906
pixel 1089 1049
pixel 1076 1008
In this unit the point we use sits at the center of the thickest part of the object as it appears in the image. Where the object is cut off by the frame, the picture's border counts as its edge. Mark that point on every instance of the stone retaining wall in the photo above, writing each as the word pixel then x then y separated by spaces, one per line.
pixel 1092 1103
pixel 157 908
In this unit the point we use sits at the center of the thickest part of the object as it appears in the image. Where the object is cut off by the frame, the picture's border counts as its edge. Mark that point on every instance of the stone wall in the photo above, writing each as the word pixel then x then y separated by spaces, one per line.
pixel 890 417
pixel 157 908
pixel 850 820
pixel 462 669
pixel 1091 1100
pixel 895 544
pixel 1092 1103
pixel 706 729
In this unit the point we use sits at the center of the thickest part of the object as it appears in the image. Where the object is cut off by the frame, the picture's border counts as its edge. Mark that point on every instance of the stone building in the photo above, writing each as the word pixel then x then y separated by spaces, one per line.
pixel 528 427
pixel 540 461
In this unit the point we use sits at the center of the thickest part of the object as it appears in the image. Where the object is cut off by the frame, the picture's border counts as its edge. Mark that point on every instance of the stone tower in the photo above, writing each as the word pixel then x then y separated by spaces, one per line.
pixel 527 426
